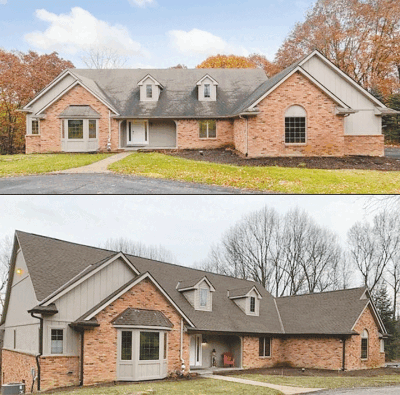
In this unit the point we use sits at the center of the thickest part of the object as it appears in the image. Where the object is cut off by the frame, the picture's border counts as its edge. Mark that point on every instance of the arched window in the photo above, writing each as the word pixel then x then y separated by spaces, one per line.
pixel 364 344
pixel 295 125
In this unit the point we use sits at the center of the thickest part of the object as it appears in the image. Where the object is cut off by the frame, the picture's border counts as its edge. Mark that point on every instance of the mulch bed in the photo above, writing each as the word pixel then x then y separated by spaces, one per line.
pixel 315 372
pixel 227 156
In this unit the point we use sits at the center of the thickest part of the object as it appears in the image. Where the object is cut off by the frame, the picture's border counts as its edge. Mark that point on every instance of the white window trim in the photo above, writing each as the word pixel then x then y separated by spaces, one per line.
pixel 31 128
pixel 207 297
pixel 160 350
pixel 363 337
pixel 216 130
pixel 148 91
pixel 382 346
pixel 284 129
pixel 270 347
pixel 85 129
pixel 63 343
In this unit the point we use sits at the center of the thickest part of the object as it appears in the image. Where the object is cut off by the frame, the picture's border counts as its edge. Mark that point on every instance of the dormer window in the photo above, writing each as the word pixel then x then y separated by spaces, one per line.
pixel 198 292
pixel 247 299
pixel 149 91
pixel 207 88
pixel 150 88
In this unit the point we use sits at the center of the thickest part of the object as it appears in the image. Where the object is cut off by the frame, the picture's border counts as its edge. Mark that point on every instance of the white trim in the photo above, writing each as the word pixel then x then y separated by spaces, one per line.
pixel 382 327
pixel 154 328
pixel 45 90
pixel 140 83
pixel 307 75
pixel 342 74
pixel 215 83
pixel 196 286
pixel 247 294
pixel 56 294
pixel 65 91
pixel 137 281
pixel 54 326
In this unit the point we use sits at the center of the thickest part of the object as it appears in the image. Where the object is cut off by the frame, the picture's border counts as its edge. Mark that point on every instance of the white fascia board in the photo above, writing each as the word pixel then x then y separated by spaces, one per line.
pixel 307 75
pixel 207 76
pixel 57 294
pixel 128 287
pixel 344 75
pixel 154 328
pixel 140 83
pixel 77 82
pixel 196 286
pixel 54 82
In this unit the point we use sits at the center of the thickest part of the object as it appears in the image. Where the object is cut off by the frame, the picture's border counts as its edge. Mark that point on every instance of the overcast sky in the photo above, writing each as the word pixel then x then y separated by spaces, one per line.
pixel 154 33
pixel 185 225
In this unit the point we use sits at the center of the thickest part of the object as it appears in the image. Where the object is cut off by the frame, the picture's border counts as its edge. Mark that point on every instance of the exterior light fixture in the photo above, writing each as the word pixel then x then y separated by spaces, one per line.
pixel 204 341
pixel 19 272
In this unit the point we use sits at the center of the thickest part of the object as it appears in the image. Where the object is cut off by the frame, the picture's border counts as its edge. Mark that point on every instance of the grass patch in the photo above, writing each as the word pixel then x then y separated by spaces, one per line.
pixel 277 179
pixel 181 387
pixel 325 382
pixel 19 165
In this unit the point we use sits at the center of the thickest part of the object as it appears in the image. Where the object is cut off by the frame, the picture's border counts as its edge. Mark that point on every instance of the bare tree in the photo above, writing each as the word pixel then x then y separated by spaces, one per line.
pixel 373 248
pixel 131 247
pixel 6 245
pixel 103 58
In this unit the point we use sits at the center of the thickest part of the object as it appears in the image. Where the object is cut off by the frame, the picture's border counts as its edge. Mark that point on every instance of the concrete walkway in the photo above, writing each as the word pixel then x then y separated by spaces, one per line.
pixel 284 389
pixel 97 167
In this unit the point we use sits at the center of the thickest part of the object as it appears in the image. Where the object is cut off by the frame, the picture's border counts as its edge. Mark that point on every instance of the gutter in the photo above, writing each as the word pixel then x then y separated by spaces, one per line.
pixel 344 355
pixel 40 351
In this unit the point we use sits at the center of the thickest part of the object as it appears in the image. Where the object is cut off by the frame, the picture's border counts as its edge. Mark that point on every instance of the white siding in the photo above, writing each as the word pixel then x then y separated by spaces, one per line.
pixel 213 90
pixel 203 285
pixel 364 122
pixel 156 90
pixel 22 299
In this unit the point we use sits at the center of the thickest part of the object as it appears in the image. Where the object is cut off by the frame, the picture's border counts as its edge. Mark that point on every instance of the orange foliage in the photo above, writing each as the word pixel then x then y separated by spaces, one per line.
pixel 362 37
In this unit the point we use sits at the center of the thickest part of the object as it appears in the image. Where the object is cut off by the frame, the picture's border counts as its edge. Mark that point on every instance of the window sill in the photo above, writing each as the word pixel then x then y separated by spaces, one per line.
pixel 296 144
pixel 208 138
pixel 266 357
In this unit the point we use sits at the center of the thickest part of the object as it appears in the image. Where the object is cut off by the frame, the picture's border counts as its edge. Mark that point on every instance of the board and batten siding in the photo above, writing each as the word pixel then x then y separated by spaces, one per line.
pixel 22 299
pixel 362 123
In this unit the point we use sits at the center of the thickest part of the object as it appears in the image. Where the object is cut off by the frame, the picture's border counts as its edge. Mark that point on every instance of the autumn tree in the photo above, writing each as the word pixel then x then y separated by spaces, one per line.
pixel 262 62
pixel 22 76
pixel 362 37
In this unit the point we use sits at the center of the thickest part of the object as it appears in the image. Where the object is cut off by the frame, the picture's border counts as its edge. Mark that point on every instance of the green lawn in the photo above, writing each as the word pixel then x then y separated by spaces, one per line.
pixel 182 387
pixel 18 165
pixel 325 382
pixel 277 179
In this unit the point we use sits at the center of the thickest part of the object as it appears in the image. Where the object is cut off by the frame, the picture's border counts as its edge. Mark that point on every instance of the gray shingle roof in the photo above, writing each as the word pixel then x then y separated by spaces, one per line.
pixel 324 313
pixel 52 263
pixel 234 293
pixel 138 317
pixel 79 111
pixel 179 98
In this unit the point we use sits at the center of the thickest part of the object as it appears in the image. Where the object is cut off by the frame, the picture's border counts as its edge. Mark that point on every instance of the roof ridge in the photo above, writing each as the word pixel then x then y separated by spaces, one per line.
pixel 323 292
pixel 136 256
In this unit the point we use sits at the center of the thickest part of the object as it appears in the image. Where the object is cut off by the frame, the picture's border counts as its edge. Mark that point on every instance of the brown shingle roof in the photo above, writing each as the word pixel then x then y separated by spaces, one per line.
pixel 139 317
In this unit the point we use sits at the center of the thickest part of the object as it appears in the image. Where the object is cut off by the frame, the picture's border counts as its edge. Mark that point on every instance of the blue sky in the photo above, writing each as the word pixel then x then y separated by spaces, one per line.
pixel 153 33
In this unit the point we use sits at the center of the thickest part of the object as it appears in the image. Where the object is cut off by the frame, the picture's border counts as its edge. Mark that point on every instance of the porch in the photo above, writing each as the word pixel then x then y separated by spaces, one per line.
pixel 152 134
pixel 207 349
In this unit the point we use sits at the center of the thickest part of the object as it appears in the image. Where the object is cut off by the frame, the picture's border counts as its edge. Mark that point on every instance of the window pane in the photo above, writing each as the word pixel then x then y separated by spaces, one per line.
pixel 35 127
pixel 212 129
pixel 267 341
pixel 92 129
pixel 57 337
pixel 295 130
pixel 203 129
pixel 207 90
pixel 75 129
pixel 364 348
pixel 261 347
pixel 149 91
pixel 203 297
pixel 149 346
pixel 126 346
pixel 252 304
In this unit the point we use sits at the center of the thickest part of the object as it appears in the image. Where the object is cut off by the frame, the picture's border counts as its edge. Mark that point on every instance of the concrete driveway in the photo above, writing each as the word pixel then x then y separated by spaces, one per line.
pixel 393 390
pixel 392 153
pixel 104 184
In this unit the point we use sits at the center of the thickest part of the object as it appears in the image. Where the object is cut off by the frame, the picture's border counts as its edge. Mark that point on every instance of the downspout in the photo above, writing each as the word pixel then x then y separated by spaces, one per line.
pixel 40 351
pixel 247 133
pixel 82 353
pixel 109 131
pixel 183 367
pixel 344 355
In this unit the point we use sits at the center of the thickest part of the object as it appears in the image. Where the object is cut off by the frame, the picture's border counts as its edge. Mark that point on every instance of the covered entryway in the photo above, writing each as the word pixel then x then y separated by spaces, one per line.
pixel 134 134
pixel 205 346
pixel 142 341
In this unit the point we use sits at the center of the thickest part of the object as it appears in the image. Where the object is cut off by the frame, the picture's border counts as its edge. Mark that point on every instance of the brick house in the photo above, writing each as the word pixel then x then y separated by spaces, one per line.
pixel 80 315
pixel 310 108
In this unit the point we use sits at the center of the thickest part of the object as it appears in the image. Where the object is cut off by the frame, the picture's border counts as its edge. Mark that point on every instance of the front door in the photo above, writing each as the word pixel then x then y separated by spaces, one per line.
pixel 196 351
pixel 137 133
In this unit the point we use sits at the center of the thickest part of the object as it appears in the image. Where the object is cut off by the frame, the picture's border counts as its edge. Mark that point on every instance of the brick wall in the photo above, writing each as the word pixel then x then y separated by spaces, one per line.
pixel 325 130
pixel 50 128
pixel 188 135
pixel 364 145
pixel 32 144
pixel 251 358
pixel 16 368
pixel 100 344
pixel 59 371
pixel 239 135
pixel 353 346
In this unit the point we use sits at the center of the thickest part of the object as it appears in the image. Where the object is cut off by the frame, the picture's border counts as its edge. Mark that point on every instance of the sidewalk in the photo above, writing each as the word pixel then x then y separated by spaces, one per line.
pixel 97 167
pixel 284 389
